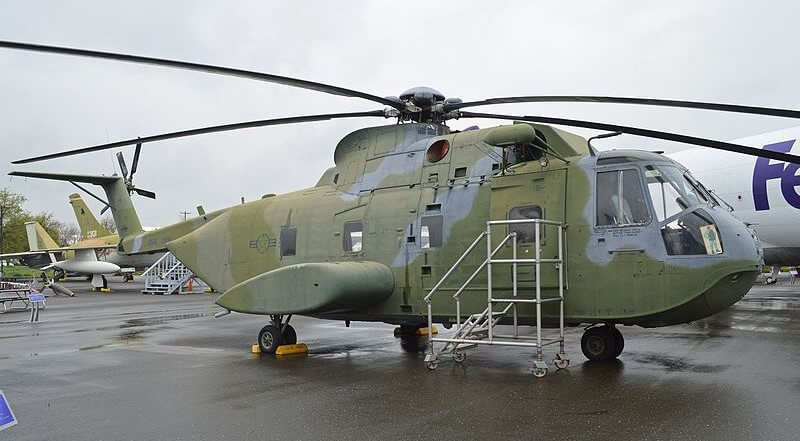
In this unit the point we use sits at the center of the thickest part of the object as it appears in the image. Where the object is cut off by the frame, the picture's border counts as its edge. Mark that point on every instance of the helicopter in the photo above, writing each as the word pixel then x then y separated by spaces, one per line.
pixel 620 237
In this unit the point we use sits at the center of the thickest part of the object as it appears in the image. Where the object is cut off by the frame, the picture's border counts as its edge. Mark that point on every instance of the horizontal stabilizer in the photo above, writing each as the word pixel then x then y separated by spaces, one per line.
pixel 309 288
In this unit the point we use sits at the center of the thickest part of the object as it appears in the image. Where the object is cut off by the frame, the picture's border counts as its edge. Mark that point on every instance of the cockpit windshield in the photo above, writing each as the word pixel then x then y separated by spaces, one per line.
pixel 671 190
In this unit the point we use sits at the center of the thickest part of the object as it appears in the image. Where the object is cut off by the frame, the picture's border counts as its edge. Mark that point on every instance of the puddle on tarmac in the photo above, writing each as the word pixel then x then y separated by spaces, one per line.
pixel 773 303
pixel 677 364
pixel 137 322
pixel 340 351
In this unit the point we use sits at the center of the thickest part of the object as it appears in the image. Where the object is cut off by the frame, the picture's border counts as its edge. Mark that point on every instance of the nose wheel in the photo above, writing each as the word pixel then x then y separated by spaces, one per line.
pixel 602 343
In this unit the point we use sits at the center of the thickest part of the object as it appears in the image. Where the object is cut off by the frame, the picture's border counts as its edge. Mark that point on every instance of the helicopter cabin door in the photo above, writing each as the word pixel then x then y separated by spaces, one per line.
pixel 528 196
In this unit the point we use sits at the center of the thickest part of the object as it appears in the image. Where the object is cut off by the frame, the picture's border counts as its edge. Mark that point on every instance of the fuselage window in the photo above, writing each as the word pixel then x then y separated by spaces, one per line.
pixel 352 242
pixel 526 233
pixel 430 232
pixel 620 199
pixel 288 242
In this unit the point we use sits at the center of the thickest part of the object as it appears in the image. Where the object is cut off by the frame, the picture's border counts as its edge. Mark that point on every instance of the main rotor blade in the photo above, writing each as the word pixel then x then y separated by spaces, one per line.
pixel 122 167
pixel 785 113
pixel 203 130
pixel 135 164
pixel 647 133
pixel 218 70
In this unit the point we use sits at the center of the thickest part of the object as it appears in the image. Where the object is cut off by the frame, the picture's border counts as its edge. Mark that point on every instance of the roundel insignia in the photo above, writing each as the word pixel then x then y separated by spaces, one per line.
pixel 262 243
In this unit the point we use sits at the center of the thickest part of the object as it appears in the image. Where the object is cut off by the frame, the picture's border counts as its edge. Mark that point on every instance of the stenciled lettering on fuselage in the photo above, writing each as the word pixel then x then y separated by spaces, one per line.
pixel 787 173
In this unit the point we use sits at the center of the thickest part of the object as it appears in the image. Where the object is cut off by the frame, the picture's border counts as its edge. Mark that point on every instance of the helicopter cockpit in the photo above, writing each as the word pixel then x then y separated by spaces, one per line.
pixel 673 199
pixel 672 191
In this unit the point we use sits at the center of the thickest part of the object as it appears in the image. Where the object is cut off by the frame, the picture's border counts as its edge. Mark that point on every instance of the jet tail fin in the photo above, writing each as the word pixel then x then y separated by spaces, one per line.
pixel 119 199
pixel 88 224
pixel 38 239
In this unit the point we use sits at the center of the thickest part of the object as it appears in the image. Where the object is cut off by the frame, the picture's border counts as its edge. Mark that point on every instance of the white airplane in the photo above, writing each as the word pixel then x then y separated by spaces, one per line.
pixel 761 191
pixel 95 254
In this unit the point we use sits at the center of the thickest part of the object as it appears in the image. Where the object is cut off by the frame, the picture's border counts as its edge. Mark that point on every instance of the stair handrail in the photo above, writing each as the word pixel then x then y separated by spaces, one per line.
pixel 453 267
pixel 153 266
pixel 175 266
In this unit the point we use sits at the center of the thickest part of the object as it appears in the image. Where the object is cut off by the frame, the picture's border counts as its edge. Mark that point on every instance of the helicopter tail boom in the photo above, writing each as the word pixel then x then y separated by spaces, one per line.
pixel 119 198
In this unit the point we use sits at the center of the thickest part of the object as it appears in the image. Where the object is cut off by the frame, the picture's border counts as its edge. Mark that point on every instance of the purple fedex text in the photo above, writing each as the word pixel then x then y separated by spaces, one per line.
pixel 787 173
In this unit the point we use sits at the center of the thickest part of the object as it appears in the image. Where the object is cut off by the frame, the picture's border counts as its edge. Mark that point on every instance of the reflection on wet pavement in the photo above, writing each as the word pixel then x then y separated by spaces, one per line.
pixel 142 367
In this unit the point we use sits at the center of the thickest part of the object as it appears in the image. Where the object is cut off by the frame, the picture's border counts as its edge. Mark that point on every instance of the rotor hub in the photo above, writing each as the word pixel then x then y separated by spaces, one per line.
pixel 423 104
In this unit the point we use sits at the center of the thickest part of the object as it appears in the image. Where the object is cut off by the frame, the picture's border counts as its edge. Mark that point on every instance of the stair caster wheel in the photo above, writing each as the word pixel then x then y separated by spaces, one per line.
pixel 539 369
pixel 561 361
pixel 431 362
pixel 459 357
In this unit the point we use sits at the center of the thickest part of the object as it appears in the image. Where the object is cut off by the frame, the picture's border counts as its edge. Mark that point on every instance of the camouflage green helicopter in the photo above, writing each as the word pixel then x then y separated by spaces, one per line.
pixel 621 237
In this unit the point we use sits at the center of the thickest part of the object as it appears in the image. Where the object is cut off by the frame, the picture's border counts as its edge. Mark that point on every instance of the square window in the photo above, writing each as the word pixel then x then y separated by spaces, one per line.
pixel 526 233
pixel 620 199
pixel 353 237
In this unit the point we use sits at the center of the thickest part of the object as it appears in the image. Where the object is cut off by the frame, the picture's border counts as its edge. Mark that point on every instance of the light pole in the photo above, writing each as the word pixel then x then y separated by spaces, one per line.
pixel 2 261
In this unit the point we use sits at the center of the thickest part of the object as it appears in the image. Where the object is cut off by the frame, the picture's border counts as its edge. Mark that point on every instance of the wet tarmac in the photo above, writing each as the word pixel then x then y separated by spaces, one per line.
pixel 124 366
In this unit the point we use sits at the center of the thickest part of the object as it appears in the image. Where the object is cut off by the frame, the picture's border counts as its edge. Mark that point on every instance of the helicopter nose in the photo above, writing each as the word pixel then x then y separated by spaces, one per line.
pixel 729 290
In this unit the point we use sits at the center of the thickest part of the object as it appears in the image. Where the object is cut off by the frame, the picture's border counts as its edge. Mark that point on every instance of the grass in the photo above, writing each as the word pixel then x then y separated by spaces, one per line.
pixel 20 271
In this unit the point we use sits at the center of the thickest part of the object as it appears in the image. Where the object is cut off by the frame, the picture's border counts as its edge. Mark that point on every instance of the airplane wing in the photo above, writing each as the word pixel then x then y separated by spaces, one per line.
pixel 90 247
pixel 22 254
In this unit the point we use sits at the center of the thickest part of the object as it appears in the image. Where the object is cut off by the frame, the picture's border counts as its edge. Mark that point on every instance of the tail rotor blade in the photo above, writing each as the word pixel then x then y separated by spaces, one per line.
pixel 123 168
pixel 145 193
pixel 135 159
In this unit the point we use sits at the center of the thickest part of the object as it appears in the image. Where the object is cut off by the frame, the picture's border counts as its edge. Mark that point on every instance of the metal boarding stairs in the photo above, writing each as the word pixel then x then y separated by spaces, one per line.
pixel 479 328
pixel 169 276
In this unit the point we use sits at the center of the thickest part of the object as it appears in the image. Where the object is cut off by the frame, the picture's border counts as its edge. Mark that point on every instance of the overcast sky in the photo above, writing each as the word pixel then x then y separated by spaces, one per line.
pixel 744 53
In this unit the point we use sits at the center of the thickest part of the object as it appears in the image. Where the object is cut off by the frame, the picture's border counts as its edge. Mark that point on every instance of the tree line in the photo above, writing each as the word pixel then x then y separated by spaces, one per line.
pixel 15 216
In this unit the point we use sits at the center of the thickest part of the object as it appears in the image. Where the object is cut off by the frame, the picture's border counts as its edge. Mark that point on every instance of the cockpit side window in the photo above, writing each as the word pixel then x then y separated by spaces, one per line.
pixel 620 199
pixel 671 191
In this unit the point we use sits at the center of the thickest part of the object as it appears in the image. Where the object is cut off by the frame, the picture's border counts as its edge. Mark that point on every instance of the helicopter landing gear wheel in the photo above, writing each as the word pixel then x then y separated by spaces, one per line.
pixel 561 361
pixel 289 335
pixel 598 343
pixel 459 356
pixel 539 369
pixel 270 336
pixel 269 339
pixel 619 342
